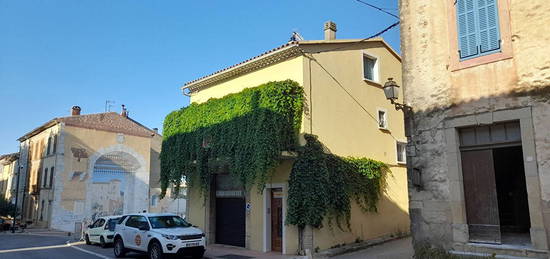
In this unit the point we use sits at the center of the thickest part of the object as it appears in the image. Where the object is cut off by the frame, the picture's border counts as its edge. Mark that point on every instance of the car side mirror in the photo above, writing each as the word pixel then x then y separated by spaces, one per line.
pixel 90 226
pixel 144 227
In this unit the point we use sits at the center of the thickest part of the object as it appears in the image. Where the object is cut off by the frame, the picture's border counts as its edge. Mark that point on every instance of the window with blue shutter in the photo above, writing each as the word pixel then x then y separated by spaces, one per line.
pixel 477 28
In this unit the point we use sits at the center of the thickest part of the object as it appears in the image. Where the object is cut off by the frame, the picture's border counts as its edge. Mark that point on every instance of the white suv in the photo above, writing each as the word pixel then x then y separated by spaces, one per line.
pixel 158 234
pixel 101 231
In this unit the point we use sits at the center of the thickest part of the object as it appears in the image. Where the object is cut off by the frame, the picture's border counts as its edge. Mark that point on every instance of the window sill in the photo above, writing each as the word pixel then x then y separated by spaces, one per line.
pixel 401 163
pixel 372 82
pixel 477 61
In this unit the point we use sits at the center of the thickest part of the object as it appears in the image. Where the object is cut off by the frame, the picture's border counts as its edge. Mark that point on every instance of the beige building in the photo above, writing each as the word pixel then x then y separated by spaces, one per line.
pixel 79 167
pixel 346 109
pixel 476 73
pixel 8 171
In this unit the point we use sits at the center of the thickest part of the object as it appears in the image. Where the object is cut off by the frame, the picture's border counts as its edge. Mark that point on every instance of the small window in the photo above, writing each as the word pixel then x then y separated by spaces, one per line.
pixel 51 177
pixel 49 145
pixel 45 180
pixel 370 68
pixel 401 152
pixel 382 119
pixel 54 144
pixel 154 199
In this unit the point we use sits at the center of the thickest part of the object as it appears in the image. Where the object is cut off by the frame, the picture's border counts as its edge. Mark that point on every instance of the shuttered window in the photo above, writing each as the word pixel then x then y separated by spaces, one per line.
pixel 477 27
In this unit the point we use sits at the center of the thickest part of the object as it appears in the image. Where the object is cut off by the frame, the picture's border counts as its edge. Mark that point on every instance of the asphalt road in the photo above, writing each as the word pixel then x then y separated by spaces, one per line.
pixel 31 246
pixel 53 246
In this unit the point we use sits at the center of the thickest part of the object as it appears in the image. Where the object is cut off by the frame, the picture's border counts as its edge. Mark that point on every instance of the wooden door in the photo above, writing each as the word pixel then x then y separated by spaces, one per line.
pixel 276 220
pixel 480 195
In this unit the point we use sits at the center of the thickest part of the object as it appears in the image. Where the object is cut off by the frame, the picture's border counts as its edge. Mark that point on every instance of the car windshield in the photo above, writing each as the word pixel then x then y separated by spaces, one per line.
pixel 168 222
pixel 111 224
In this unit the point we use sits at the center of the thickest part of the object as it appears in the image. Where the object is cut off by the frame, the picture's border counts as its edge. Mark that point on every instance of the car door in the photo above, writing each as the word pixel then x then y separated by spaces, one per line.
pixel 94 230
pixel 130 232
pixel 141 237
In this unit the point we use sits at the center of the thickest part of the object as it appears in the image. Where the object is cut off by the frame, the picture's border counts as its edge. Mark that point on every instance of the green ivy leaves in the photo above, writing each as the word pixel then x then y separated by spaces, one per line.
pixel 322 185
pixel 248 130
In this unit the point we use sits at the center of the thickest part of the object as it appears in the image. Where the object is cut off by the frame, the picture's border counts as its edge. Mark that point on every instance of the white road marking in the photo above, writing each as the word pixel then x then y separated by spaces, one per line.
pixel 31 248
pixel 68 244
pixel 86 251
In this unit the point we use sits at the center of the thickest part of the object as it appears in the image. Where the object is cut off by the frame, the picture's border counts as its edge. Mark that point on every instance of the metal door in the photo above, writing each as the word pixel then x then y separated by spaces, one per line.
pixel 481 196
pixel 230 221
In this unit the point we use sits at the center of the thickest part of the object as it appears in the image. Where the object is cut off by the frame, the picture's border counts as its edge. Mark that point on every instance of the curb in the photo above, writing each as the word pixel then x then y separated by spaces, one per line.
pixel 356 247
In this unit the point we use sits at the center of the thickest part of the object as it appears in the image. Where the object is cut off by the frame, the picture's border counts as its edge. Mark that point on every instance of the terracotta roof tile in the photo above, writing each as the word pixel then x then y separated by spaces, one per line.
pixel 109 121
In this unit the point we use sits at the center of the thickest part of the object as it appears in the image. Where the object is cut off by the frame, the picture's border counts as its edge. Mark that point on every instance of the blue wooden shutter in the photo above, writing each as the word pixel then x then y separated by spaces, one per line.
pixel 489 34
pixel 467 29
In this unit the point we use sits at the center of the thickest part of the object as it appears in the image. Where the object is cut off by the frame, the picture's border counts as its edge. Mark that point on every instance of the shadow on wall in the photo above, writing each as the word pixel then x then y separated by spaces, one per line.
pixel 431 215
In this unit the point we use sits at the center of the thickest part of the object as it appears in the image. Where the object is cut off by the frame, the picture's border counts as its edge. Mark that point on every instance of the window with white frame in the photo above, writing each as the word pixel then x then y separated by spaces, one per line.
pixel 370 67
pixel 401 152
pixel 382 119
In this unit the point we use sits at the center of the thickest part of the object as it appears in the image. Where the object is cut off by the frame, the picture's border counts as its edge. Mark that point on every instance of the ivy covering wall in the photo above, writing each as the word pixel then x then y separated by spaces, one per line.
pixel 246 132
pixel 323 185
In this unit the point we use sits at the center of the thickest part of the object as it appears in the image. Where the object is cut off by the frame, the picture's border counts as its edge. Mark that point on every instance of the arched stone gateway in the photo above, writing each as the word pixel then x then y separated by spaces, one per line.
pixel 112 183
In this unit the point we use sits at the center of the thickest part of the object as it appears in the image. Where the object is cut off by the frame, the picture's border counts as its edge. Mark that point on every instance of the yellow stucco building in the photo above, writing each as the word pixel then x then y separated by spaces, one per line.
pixel 346 108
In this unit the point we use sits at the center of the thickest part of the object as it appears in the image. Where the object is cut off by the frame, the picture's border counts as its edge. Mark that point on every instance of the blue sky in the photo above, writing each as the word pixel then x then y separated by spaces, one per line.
pixel 56 54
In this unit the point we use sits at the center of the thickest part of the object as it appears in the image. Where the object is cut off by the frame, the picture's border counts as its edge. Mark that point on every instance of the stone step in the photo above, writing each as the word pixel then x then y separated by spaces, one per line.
pixel 500 251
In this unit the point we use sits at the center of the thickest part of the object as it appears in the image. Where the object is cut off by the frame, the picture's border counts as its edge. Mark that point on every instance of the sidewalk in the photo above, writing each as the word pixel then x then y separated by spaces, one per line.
pixel 231 252
pixel 395 249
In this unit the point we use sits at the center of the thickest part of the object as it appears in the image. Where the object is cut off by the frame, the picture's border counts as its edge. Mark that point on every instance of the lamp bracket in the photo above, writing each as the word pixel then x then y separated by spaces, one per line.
pixel 400 106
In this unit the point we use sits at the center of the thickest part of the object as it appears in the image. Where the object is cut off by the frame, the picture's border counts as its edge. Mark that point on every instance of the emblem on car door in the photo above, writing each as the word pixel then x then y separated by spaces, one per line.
pixel 137 240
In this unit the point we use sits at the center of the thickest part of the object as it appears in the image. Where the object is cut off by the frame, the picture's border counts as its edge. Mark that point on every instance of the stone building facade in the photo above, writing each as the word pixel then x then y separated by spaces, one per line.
pixel 77 168
pixel 8 170
pixel 477 75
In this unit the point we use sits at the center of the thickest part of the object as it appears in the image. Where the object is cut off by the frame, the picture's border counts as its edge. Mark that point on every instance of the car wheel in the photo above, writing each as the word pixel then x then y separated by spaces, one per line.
pixel 119 249
pixel 155 251
pixel 102 242
pixel 87 238
pixel 198 255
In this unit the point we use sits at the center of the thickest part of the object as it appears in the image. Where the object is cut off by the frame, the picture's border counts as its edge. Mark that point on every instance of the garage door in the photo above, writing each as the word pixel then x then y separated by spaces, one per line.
pixel 230 221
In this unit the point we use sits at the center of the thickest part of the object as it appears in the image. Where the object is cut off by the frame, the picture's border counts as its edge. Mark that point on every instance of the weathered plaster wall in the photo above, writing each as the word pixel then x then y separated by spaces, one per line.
pixel 73 190
pixel 437 93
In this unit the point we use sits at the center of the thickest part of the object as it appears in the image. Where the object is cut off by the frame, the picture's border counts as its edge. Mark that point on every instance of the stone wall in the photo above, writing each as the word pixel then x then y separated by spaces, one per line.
pixel 438 93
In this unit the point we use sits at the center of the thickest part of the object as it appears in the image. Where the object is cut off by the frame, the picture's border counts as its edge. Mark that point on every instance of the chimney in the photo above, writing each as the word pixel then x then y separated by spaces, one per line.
pixel 124 112
pixel 75 110
pixel 330 30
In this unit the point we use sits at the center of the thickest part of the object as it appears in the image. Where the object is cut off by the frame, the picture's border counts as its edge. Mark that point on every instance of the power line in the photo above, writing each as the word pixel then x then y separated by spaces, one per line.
pixel 348 93
pixel 378 8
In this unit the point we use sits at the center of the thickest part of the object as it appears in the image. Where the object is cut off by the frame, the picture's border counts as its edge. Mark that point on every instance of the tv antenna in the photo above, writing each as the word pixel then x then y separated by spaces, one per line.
pixel 296 36
pixel 108 105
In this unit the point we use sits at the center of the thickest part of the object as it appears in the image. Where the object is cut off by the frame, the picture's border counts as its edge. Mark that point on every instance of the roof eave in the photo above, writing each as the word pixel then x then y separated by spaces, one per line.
pixel 292 48
pixel 36 131
pixel 263 60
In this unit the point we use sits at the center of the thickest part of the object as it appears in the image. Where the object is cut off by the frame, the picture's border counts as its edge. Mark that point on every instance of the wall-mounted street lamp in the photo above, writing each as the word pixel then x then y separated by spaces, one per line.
pixel 391 90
